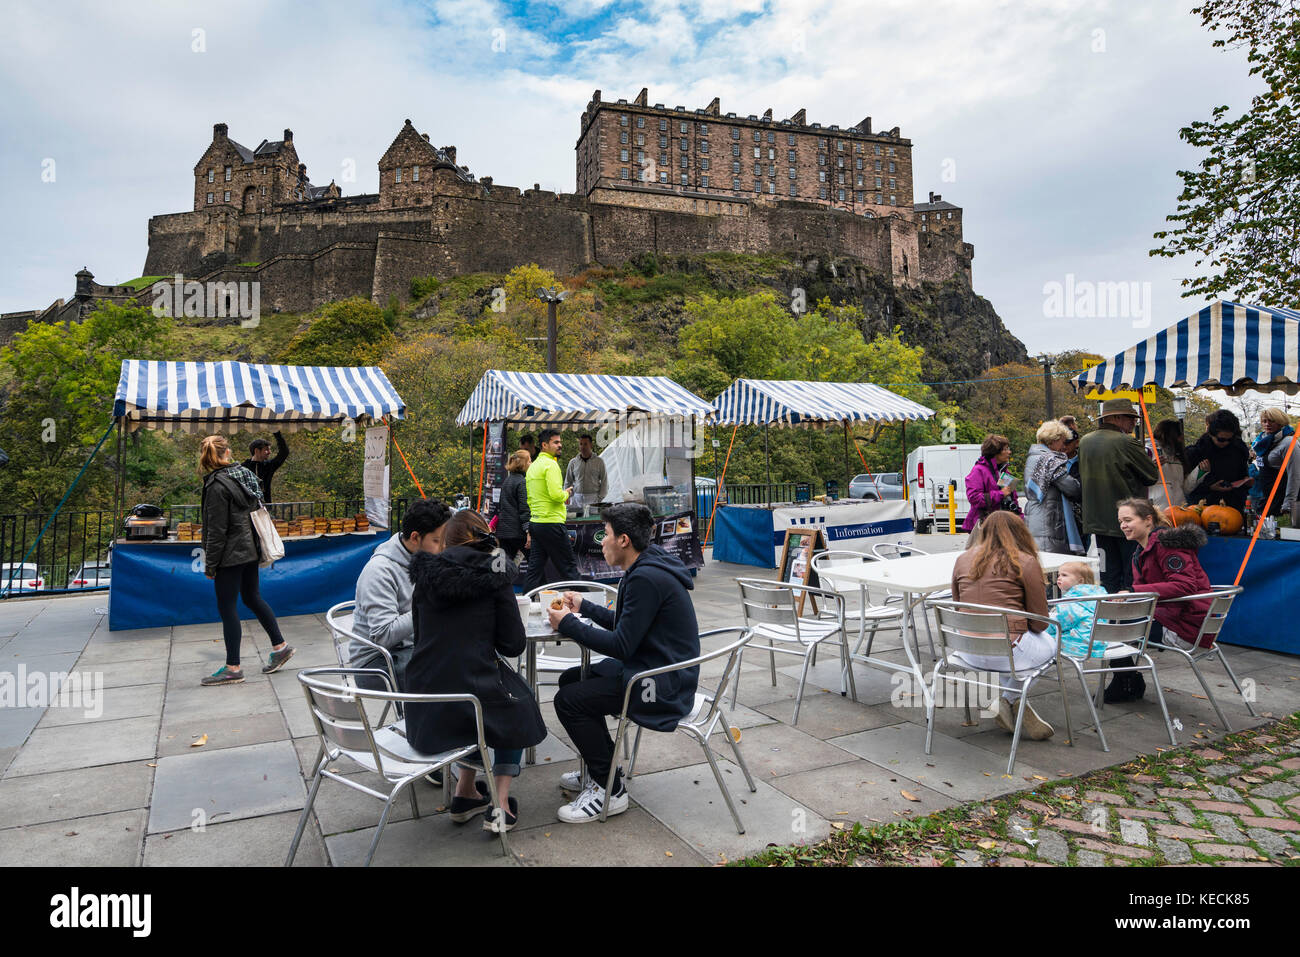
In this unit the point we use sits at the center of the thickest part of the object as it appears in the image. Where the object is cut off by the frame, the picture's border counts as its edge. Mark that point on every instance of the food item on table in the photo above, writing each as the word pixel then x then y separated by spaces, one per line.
pixel 557 604
pixel 1179 515
pixel 1228 518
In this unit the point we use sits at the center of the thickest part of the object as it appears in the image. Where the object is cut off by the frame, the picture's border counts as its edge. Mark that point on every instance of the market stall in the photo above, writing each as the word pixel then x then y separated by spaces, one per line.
pixel 652 415
pixel 1238 349
pixel 742 534
pixel 158 580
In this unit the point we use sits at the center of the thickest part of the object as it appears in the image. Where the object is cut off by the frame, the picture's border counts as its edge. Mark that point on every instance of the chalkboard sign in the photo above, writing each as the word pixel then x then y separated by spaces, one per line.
pixel 801 545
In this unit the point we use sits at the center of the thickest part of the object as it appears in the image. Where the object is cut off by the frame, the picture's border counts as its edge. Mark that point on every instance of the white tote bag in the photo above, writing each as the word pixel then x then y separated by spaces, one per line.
pixel 267 537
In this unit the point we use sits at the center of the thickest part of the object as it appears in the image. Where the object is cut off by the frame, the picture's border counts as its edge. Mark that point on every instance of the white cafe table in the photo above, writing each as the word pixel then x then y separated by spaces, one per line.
pixel 538 630
pixel 916 577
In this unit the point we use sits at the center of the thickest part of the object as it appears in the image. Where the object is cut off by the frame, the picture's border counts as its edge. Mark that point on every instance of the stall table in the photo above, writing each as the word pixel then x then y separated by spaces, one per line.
pixel 754 534
pixel 1262 615
pixel 159 584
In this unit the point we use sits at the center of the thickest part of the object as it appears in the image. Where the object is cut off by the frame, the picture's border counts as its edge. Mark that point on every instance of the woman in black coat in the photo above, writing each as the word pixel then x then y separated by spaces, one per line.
pixel 512 510
pixel 466 617
pixel 1219 463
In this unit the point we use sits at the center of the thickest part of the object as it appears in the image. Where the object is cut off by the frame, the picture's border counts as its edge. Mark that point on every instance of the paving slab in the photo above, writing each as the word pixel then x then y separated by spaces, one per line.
pixel 106 840
pixel 632 839
pixel 105 653
pixel 255 842
pixel 223 732
pixel 687 802
pixel 827 715
pixel 963 770
pixel 225 785
pixel 105 704
pixel 87 745
pixel 103 637
pixel 428 842
pixel 121 674
pixel 190 704
pixel 16 724
pixel 776 749
pixel 37 798
pixel 861 791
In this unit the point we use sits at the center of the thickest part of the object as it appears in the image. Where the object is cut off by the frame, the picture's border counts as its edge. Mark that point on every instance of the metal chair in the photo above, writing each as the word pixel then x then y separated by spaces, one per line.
pixel 339 713
pixel 339 622
pixel 705 718
pixel 1121 625
pixel 1221 599
pixel 888 615
pixel 558 663
pixel 966 629
pixel 771 614
pixel 888 551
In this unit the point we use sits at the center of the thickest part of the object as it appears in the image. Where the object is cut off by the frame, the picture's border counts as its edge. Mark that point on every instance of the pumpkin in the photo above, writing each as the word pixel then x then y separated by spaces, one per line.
pixel 1229 519
pixel 1179 515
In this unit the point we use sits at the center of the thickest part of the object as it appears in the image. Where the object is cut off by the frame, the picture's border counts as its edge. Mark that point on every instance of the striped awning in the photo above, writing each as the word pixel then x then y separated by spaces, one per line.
pixel 564 400
pixel 1224 346
pixel 811 404
pixel 237 396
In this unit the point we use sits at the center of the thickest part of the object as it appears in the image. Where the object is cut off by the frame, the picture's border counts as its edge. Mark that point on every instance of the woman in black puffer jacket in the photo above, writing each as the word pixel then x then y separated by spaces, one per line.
pixel 512 510
pixel 466 617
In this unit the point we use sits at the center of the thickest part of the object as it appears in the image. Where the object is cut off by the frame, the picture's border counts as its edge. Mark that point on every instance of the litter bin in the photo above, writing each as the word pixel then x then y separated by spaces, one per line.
pixel 832 489
pixel 803 491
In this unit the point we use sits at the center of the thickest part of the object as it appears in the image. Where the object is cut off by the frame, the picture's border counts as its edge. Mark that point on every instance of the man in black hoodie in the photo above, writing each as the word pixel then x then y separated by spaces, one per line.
pixel 653 625
pixel 261 464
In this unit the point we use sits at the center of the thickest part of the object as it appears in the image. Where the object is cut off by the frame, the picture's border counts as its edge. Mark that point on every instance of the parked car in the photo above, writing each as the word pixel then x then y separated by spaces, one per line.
pixel 931 472
pixel 26 578
pixel 92 575
pixel 878 487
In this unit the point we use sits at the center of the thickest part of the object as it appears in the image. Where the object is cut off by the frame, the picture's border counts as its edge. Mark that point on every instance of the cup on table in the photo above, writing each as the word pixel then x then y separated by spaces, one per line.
pixel 525 607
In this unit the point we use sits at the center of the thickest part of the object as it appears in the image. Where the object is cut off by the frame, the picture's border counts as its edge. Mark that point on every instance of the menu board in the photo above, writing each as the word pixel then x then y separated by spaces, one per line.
pixel 677 534
pixel 494 466
pixel 801 545
pixel 375 477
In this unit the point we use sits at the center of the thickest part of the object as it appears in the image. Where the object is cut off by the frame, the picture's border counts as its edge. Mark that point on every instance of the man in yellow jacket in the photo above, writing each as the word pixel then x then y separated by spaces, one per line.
pixel 546 504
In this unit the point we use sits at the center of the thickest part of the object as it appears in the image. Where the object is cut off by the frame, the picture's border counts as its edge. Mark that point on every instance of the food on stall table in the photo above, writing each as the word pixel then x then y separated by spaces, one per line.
pixel 557 604
pixel 189 532
pixel 1180 515
pixel 1230 520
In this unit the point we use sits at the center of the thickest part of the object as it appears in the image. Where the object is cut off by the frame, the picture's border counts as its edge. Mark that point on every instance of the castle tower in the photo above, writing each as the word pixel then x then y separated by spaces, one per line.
pixel 407 168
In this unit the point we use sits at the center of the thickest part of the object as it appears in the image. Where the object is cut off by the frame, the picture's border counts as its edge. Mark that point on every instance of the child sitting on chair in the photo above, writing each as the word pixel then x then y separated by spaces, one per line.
pixel 1076 580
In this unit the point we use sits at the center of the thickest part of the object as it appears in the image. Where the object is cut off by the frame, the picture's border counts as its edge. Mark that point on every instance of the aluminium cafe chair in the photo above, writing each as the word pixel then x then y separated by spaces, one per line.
pixel 1221 599
pixel 887 615
pixel 339 622
pixel 346 732
pixel 706 716
pixel 551 664
pixel 888 551
pixel 967 629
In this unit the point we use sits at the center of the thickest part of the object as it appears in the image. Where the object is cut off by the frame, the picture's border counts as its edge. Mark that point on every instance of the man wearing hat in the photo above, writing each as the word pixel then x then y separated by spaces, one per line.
pixel 1113 466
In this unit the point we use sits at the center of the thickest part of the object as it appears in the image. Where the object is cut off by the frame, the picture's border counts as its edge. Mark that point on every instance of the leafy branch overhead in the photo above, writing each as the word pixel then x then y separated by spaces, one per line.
pixel 1239 210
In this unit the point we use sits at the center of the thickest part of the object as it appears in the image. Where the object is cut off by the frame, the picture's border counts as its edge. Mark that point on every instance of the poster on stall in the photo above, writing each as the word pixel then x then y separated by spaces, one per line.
pixel 677 534
pixel 375 475
pixel 494 467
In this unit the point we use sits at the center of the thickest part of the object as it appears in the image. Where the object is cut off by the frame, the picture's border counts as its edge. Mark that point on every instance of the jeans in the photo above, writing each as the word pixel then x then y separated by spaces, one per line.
pixel 550 540
pixel 1116 561
pixel 401 658
pixel 505 762
pixel 240 581
pixel 1034 648
pixel 582 707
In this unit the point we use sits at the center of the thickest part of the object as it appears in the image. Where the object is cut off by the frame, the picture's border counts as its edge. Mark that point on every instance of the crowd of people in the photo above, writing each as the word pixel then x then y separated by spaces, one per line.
pixel 1110 487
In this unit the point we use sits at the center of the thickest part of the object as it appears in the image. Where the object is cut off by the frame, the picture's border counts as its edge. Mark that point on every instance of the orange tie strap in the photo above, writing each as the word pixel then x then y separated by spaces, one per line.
pixel 406 463
pixel 1281 475
pixel 717 492
pixel 1169 502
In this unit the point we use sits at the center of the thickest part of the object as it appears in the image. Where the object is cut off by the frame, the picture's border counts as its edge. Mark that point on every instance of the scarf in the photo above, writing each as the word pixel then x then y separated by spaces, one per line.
pixel 1047 469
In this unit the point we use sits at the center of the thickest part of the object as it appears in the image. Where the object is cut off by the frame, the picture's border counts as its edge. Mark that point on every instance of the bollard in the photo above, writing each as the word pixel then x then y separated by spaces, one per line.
pixel 952 507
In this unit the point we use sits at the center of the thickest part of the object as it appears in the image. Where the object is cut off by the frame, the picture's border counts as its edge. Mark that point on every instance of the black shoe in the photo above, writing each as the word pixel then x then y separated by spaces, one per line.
pixel 463 809
pixel 1125 686
pixel 495 823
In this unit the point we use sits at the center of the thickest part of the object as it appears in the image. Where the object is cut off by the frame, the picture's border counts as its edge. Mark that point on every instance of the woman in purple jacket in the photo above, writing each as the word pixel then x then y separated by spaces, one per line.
pixel 985 493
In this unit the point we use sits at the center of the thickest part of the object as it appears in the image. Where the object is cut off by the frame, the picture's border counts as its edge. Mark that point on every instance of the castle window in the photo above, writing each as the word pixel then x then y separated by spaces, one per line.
pixel 821 193
pixel 821 144
pixel 923 217
pixel 640 156
pixel 840 162
pixel 226 196
pixel 858 148
pixel 790 155
pixel 704 129
pixel 735 149
pixel 640 139
pixel 263 190
pixel 685 127
pixel 640 122
pixel 209 197
pixel 893 201
pixel 758 137
pixel 704 146
pixel 758 186
pixel 793 190
pixel 397 177
pixel 771 170
pixel 622 174
pixel 212 175
pixel 877 149
pixel 790 139
pixel 792 175
pixel 859 197
pixel 663 125
pixel 735 132
pixel 859 182
pixel 891 167
pixel 663 176
pixel 891 184
pixel 839 147
pixel 771 137
pixel 686 162
pixel 735 167
pixel 840 178
pixel 622 119
pixel 415 174
pixel 892 152
pixel 227 174
pixel 704 162
pixel 758 152
pixel 924 228
pixel 771 188
pixel 663 159
pixel 684 145
pixel 841 194
pixel 821 159
pixel 878 199
pixel 622 137
pixel 821 176
pixel 735 184
pixel 858 164
pixel 877 166
pixel 622 156
pixel 877 182
pixel 704 182
pixel 950 215
pixel 771 154
pixel 686 180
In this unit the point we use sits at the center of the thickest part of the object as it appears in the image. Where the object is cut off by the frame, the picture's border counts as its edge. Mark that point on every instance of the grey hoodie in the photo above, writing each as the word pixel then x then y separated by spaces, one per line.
pixel 383 612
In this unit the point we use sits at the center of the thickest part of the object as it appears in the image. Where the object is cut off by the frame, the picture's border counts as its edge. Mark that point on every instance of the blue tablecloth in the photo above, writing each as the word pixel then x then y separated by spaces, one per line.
pixel 754 535
pixel 158 584
pixel 1264 615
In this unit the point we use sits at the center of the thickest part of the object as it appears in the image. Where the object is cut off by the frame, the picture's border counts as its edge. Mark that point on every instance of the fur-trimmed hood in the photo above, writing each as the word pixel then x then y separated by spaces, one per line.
pixel 460 573
pixel 1189 537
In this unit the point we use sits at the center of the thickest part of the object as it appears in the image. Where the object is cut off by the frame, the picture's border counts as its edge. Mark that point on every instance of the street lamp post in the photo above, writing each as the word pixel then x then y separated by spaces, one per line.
pixel 552 298
pixel 1180 407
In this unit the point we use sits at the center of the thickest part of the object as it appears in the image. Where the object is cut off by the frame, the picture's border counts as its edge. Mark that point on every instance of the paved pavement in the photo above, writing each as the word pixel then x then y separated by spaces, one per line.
pixel 122 779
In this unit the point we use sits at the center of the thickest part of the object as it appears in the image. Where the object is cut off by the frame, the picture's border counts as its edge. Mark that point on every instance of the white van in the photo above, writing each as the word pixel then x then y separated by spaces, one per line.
pixel 930 471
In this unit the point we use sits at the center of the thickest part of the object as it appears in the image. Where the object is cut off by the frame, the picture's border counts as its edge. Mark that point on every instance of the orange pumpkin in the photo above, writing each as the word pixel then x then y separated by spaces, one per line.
pixel 1178 515
pixel 1230 520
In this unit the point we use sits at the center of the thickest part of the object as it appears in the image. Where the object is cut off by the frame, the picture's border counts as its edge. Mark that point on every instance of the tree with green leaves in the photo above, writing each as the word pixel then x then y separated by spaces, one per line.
pixel 1239 210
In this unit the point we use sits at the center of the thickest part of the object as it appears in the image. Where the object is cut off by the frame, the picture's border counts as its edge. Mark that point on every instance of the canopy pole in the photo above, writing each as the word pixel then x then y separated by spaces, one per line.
pixel 848 466
pixel 388 466
pixel 1169 502
pixel 1281 475
pixel 717 489
pixel 482 464
pixel 767 459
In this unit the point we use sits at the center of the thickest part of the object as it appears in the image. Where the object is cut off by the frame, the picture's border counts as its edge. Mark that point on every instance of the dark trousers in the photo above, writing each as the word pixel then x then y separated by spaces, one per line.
pixel 240 581
pixel 511 546
pixel 550 541
pixel 582 707
pixel 1117 561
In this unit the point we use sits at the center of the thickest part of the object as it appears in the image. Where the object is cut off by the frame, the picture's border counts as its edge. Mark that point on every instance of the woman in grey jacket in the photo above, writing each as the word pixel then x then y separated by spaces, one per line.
pixel 1049 488
pixel 512 510
pixel 231 493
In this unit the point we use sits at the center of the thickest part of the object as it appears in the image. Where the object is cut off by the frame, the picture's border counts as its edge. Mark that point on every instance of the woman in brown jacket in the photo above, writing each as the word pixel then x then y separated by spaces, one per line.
pixel 1002 569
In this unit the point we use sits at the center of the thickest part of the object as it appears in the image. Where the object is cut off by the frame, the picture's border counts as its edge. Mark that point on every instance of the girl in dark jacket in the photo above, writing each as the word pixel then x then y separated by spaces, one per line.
pixel 231 494
pixel 512 510
pixel 466 617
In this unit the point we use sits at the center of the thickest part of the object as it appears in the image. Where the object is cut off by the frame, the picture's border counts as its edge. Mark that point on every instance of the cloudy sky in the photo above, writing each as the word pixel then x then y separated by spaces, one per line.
pixel 1054 123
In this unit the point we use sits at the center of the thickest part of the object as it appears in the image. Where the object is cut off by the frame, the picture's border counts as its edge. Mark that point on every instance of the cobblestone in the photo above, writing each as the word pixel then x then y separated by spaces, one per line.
pixel 1220 770
pixel 1226 850
pixel 1222 793
pixel 1225 828
pixel 1107 848
pixel 1275 789
pixel 1272 844
pixel 1273 823
pixel 1175 852
pixel 1182 814
pixel 1053 847
pixel 1104 797
pixel 1091 859
pixel 1182 833
pixel 1134 832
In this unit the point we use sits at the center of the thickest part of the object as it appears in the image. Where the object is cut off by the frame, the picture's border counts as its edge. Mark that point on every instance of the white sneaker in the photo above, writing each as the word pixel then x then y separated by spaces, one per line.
pixel 571 781
pixel 1035 728
pixel 1006 716
pixel 586 807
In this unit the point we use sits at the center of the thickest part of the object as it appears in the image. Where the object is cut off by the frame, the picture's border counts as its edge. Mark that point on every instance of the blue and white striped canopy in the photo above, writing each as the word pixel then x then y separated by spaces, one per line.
pixel 234 396
pixel 565 400
pixel 1224 346
pixel 816 404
